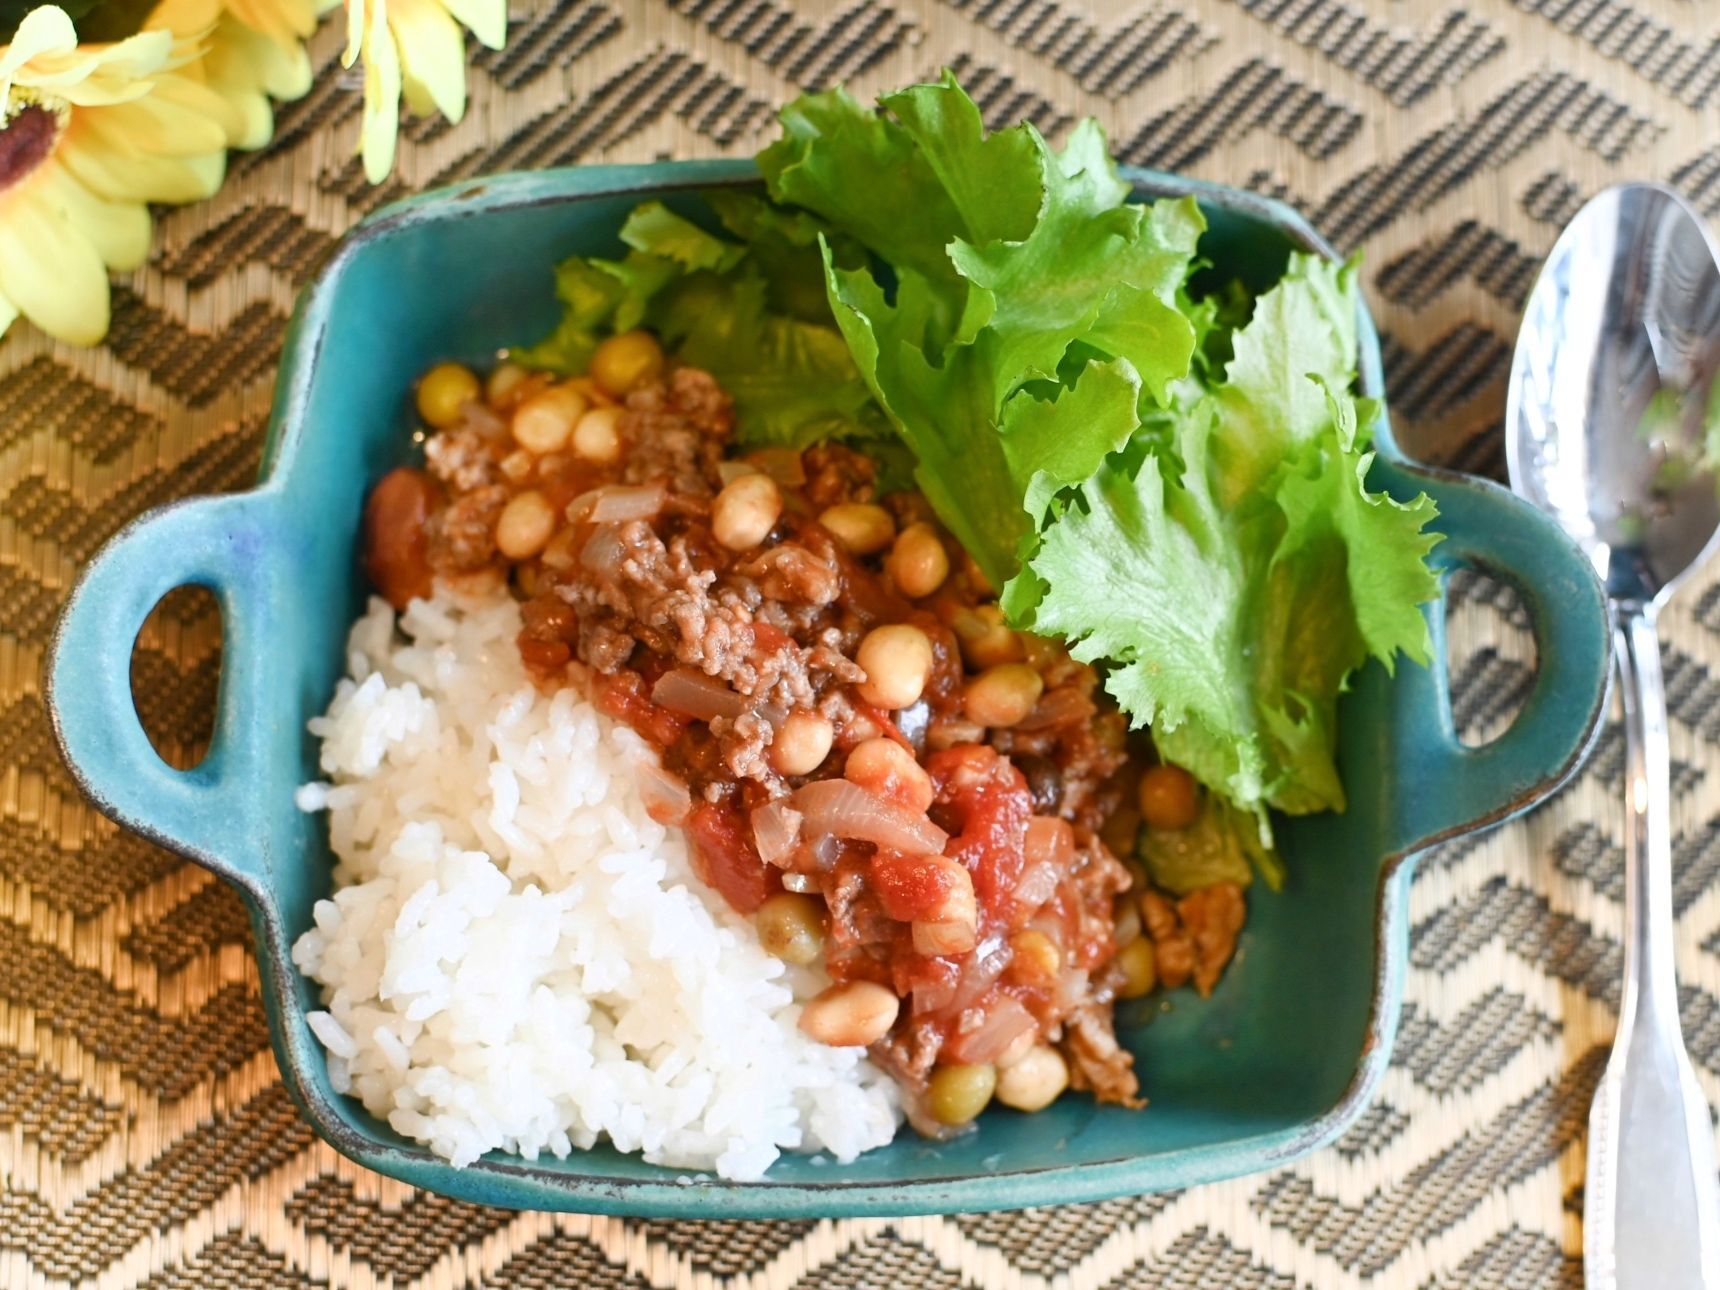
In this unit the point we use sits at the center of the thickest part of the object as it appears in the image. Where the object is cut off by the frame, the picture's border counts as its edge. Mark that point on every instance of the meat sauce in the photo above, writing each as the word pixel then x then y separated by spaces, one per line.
pixel 805 655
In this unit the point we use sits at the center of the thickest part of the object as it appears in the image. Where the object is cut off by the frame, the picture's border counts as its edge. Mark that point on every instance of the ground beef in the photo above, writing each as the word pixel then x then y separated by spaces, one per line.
pixel 1096 1060
pixel 676 430
pixel 1213 916
pixel 616 607
pixel 836 474
pixel 463 534
pixel 462 458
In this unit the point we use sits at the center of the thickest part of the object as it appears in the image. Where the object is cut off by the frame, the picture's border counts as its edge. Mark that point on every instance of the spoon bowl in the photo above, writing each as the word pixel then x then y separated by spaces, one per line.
pixel 1613 392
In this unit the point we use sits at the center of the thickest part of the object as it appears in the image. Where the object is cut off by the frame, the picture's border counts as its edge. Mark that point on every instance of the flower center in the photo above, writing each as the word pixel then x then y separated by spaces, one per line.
pixel 27 138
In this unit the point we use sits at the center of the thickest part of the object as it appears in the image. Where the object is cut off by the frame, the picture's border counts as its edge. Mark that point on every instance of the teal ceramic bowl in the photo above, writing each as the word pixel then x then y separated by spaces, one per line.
pixel 1279 1060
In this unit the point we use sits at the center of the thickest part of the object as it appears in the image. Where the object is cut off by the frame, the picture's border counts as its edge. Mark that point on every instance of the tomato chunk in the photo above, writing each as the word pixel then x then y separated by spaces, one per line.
pixel 624 697
pixel 725 857
pixel 910 887
pixel 986 806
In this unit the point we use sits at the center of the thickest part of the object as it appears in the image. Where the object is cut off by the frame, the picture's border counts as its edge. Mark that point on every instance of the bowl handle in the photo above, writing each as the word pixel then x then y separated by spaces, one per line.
pixel 203 813
pixel 1443 785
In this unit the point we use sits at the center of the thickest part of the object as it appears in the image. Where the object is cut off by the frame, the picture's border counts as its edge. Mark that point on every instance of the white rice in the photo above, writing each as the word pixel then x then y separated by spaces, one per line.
pixel 516 957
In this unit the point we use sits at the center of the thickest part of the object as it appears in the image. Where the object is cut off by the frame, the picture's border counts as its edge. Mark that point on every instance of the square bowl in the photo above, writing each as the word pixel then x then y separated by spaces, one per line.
pixel 1279 1060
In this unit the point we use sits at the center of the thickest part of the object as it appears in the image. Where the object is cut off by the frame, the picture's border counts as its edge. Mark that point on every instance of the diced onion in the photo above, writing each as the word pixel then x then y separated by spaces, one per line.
pixel 729 471
pixel 475 414
pixel 981 971
pixel 665 794
pixel 602 552
pixel 933 993
pixel 776 830
pixel 784 465
pixel 1064 706
pixel 1049 840
pixel 912 721
pixel 693 694
pixel 1005 1021
pixel 619 503
pixel 801 883
pixel 845 810
pixel 1071 987
pixel 1038 884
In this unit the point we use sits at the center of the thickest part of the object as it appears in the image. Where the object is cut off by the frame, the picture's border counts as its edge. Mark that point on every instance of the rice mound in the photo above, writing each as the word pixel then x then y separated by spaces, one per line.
pixel 516 956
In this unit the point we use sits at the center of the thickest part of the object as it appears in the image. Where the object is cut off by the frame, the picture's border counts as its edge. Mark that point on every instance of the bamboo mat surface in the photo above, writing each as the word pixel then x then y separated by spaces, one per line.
pixel 145 1138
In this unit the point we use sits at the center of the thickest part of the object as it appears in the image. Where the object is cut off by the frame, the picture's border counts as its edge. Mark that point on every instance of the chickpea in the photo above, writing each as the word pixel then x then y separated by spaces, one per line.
pixel 861 527
pixel 443 393
pixel 801 744
pixel 850 1015
pixel 1170 798
pixel 985 639
pixel 1034 1082
pixel 504 386
pixel 1003 695
pixel 955 1095
pixel 526 525
pixel 625 362
pixel 1140 973
pixel 791 927
pixel 897 660
pixel 918 563
pixel 597 435
pixel 886 769
pixel 1036 959
pixel 543 422
pixel 745 512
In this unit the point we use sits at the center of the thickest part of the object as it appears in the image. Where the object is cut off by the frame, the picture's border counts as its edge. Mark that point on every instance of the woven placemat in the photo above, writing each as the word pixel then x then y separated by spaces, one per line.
pixel 144 1136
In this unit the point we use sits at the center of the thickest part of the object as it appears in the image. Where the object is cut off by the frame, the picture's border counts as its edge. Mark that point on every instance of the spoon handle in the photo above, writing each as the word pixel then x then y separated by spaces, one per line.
pixel 1651 1201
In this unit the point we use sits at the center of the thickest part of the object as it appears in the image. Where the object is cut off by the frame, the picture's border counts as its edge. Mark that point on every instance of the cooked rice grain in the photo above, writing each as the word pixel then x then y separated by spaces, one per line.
pixel 516 957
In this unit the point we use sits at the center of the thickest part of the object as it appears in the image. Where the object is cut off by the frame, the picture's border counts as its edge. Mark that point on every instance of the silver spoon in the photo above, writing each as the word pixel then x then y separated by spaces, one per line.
pixel 1608 398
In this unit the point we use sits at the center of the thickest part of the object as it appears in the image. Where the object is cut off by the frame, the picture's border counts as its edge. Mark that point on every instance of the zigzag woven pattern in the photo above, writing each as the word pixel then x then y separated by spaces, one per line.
pixel 144 1136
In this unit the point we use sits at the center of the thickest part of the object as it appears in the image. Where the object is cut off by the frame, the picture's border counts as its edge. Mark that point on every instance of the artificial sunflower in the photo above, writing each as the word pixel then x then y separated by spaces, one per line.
pixel 92 133
pixel 415 48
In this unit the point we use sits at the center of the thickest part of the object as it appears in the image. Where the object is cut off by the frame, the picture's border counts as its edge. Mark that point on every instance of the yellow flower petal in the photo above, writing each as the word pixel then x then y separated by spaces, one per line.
pixel 95 74
pixel 284 22
pixel 432 55
pixel 121 176
pixel 381 121
pixel 119 231
pixel 45 31
pixel 282 69
pixel 179 119
pixel 184 17
pixel 358 14
pixel 8 314
pixel 52 274
pixel 246 68
pixel 487 19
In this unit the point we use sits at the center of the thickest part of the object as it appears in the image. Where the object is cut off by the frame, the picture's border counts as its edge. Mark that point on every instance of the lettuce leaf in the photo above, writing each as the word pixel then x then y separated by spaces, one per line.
pixel 1236 577
pixel 751 311
pixel 994 259
pixel 1174 484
